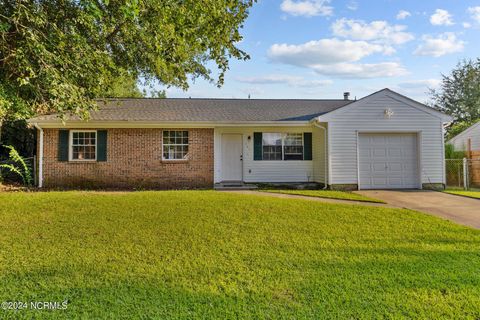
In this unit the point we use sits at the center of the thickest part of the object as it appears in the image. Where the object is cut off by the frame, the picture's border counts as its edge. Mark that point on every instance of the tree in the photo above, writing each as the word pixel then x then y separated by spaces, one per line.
pixel 58 55
pixel 123 87
pixel 459 93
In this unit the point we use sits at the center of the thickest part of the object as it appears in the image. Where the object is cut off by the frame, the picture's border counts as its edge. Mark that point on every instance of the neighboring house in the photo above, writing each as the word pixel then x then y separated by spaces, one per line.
pixel 468 140
pixel 382 141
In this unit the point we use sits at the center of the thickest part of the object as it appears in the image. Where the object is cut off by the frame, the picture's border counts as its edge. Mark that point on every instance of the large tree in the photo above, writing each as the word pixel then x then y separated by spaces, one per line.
pixel 459 95
pixel 58 55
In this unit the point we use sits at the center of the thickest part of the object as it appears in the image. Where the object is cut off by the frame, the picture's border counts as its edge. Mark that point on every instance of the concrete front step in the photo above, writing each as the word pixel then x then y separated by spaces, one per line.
pixel 234 186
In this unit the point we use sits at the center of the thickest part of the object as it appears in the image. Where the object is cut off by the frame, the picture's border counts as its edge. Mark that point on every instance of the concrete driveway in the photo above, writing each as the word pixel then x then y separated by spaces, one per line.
pixel 459 209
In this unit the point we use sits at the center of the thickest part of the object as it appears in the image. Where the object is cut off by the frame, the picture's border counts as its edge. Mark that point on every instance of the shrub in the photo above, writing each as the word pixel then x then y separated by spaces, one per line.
pixel 18 166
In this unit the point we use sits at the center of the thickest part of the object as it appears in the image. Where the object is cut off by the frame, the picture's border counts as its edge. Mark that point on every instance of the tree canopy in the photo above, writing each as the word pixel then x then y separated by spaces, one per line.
pixel 58 55
pixel 459 95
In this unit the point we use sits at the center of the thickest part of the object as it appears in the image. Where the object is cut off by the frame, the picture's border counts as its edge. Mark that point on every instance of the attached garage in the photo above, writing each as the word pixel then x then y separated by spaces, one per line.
pixel 388 161
pixel 384 141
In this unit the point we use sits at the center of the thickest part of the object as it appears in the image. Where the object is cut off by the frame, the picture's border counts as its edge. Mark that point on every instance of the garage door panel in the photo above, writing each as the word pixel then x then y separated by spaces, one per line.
pixel 388 161
pixel 378 167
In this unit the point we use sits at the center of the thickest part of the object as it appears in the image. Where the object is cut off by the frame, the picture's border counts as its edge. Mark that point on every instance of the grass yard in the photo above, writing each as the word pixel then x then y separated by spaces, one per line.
pixel 330 194
pixel 213 255
pixel 470 194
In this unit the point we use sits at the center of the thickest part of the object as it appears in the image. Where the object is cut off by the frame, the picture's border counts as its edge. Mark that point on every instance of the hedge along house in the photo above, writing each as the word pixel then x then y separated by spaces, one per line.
pixel 382 141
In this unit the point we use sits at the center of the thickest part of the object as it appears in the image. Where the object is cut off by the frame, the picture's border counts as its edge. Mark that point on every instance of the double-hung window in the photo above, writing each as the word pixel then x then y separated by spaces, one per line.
pixel 282 146
pixel 175 145
pixel 293 146
pixel 272 146
pixel 83 145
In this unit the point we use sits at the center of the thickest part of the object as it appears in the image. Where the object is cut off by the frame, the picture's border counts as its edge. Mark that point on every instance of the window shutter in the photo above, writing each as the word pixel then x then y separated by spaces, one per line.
pixel 307 146
pixel 102 145
pixel 257 146
pixel 63 136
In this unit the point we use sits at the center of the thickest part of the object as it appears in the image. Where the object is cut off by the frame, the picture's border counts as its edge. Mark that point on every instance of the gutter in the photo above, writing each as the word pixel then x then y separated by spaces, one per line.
pixel 316 124
pixel 40 156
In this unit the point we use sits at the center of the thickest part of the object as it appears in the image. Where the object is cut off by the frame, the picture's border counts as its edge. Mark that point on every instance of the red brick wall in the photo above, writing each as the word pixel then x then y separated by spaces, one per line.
pixel 134 160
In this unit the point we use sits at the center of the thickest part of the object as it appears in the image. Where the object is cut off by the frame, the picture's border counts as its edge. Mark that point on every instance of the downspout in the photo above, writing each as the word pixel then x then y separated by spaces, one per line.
pixel 316 124
pixel 40 157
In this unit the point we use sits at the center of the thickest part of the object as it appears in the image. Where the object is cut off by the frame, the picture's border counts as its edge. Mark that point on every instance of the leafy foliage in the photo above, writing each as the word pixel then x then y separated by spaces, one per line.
pixel 57 55
pixel 18 166
pixel 20 135
pixel 450 152
pixel 124 87
pixel 459 94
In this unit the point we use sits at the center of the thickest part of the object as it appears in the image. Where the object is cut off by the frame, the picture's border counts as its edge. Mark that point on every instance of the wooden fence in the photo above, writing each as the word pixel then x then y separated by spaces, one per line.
pixel 474 168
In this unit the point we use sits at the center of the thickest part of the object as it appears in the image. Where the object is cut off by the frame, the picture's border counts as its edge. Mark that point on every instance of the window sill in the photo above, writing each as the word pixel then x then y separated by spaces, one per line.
pixel 82 161
pixel 175 160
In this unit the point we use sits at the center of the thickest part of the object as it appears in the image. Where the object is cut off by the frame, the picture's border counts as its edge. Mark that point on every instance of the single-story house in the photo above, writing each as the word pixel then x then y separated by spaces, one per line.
pixel 468 140
pixel 382 141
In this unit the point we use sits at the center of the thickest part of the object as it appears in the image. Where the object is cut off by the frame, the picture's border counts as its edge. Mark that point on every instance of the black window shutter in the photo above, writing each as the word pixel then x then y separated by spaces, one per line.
pixel 102 145
pixel 257 146
pixel 63 145
pixel 307 146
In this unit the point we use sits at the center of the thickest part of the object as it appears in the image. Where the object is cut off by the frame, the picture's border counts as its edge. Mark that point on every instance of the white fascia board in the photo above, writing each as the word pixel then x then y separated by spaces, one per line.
pixel 393 95
pixel 170 124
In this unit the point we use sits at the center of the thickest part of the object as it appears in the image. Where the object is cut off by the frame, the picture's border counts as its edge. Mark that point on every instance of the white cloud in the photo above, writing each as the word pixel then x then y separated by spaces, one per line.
pixel 475 13
pixel 293 81
pixel 424 83
pixel 324 51
pixel 467 25
pixel 359 70
pixel 441 18
pixel 352 5
pixel 403 14
pixel 445 43
pixel 308 8
pixel 379 31
pixel 334 57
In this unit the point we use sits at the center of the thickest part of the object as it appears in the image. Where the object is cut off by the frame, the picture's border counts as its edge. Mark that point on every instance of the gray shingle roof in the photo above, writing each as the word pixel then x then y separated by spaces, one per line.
pixel 222 110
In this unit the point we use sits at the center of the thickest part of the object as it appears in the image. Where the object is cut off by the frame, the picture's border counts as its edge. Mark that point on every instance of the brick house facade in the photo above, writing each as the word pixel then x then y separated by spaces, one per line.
pixel 134 160
pixel 128 143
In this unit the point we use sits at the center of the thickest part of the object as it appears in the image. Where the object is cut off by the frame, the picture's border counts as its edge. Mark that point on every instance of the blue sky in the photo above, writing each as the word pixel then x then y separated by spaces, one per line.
pixel 319 49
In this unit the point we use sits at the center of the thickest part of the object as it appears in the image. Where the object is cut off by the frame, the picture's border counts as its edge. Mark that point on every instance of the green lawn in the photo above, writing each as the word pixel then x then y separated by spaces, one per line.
pixel 330 194
pixel 206 254
pixel 470 194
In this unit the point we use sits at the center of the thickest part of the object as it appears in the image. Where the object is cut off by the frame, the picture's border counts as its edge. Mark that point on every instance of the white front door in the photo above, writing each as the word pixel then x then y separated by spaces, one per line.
pixel 232 153
pixel 388 161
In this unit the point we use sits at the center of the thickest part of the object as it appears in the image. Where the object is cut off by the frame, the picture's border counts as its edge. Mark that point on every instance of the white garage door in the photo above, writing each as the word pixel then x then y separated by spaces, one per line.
pixel 388 161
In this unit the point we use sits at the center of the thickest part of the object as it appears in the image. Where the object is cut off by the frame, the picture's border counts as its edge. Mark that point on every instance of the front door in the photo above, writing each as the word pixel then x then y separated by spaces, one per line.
pixel 232 153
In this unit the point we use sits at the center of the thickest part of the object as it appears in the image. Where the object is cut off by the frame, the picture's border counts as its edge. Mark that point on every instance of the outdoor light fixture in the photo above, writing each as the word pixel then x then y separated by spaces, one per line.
pixel 388 113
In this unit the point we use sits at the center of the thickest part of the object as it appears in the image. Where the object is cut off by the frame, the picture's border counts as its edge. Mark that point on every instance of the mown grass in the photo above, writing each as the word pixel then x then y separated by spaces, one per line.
pixel 212 255
pixel 470 194
pixel 329 194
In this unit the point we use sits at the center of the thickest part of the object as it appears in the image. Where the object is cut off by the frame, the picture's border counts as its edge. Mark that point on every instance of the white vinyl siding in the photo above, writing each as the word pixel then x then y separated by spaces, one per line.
pixel 318 154
pixel 264 171
pixel 368 115
pixel 460 142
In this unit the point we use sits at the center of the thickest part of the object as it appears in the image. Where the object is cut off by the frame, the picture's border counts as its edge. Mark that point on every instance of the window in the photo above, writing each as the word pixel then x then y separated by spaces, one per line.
pixel 272 146
pixel 83 145
pixel 282 146
pixel 293 146
pixel 175 145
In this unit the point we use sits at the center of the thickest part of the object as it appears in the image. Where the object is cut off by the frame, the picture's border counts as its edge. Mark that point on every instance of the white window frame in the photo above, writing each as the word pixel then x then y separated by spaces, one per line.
pixel 175 144
pixel 303 147
pixel 70 146
pixel 284 136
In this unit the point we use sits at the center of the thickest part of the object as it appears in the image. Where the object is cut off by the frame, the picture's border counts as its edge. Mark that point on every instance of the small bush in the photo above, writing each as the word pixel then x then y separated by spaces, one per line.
pixel 18 166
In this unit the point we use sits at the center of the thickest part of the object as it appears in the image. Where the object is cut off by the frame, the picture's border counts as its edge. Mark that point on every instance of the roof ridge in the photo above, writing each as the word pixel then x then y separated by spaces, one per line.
pixel 238 99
